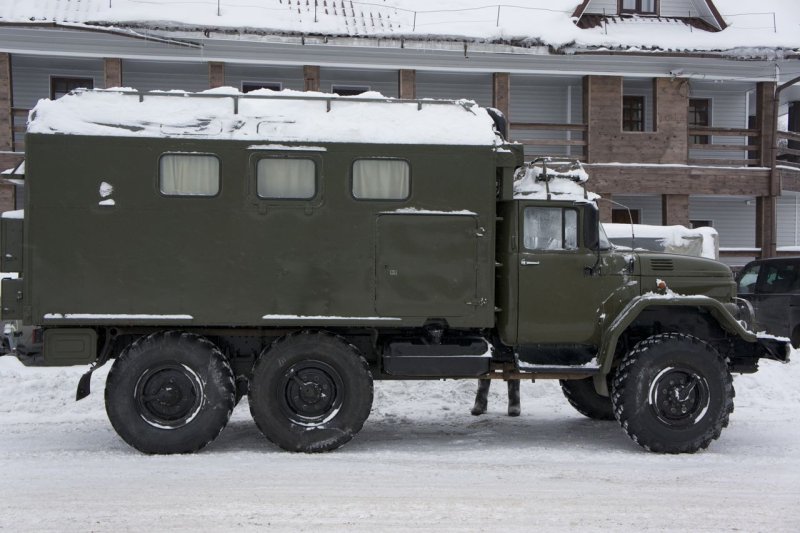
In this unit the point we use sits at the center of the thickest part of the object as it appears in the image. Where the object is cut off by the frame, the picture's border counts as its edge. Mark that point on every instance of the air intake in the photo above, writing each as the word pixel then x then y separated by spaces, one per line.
pixel 662 265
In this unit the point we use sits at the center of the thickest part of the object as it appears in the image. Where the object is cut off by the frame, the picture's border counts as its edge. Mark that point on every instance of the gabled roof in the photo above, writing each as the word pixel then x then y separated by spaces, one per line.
pixel 717 23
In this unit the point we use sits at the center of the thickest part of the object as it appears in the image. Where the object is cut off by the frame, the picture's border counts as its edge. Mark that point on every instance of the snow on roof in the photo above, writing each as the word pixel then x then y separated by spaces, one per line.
pixel 555 182
pixel 285 116
pixel 769 24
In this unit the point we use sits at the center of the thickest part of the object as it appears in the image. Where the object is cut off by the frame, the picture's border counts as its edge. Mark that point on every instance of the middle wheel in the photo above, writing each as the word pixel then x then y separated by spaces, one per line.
pixel 310 392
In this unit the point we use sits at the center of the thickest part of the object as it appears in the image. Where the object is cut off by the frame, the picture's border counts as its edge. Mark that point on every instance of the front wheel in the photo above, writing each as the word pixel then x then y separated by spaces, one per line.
pixel 673 393
pixel 310 392
pixel 582 395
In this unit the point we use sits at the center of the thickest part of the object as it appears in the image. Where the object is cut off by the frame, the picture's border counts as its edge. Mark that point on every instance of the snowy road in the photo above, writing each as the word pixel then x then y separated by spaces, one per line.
pixel 421 462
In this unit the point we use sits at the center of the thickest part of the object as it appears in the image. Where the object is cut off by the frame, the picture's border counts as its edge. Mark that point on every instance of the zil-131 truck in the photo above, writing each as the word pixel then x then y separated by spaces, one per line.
pixel 294 247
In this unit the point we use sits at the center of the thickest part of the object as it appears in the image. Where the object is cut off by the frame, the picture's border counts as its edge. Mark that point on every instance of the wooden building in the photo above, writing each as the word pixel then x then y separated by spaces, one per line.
pixel 672 106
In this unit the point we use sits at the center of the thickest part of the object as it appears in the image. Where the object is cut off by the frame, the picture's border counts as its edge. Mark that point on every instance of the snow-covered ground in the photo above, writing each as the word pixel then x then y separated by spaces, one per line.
pixel 421 462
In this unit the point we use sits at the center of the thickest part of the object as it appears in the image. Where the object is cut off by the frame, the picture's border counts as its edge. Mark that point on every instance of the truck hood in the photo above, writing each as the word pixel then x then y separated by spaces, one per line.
pixel 686 275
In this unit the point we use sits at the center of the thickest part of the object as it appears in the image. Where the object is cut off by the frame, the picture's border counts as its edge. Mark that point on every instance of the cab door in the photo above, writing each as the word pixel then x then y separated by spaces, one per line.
pixel 566 290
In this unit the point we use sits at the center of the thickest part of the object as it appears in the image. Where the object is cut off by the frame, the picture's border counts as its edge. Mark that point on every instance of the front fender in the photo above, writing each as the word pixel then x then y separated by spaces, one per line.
pixel 763 345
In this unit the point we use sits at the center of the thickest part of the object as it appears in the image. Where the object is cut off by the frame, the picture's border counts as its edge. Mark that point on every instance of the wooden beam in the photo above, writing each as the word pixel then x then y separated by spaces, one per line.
pixel 501 95
pixel 407 84
pixel 675 209
pixel 112 72
pixel 311 78
pixel 216 74
pixel 605 206
pixel 6 99
pixel 766 234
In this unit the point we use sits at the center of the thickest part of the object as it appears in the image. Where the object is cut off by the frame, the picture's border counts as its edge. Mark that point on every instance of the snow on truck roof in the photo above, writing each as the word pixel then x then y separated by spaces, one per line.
pixel 284 116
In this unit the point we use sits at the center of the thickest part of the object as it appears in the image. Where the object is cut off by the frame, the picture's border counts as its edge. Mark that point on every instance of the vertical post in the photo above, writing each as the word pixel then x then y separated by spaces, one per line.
pixel 766 226
pixel 766 123
pixel 112 72
pixel 311 77
pixel 606 207
pixel 498 16
pixel 6 101
pixel 216 74
pixel 501 95
pixel 675 209
pixel 407 84
pixel 414 24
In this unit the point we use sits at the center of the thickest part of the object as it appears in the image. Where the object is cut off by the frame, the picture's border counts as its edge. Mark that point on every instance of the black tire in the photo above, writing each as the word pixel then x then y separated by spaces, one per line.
pixel 310 392
pixel 673 393
pixel 170 392
pixel 581 395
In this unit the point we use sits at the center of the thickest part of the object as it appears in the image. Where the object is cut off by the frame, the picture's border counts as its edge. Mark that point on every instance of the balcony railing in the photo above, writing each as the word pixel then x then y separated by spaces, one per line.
pixel 745 152
pixel 542 138
pixel 788 148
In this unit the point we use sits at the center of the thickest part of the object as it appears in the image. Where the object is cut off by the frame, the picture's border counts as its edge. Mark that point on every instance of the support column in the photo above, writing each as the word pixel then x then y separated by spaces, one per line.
pixel 766 234
pixel 407 84
pixel 605 206
pixel 766 121
pixel 216 74
pixel 501 95
pixel 112 72
pixel 311 78
pixel 6 117
pixel 794 126
pixel 675 209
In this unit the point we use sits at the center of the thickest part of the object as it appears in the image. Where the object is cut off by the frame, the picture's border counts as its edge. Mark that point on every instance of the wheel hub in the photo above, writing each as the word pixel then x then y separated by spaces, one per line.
pixel 310 393
pixel 679 396
pixel 168 396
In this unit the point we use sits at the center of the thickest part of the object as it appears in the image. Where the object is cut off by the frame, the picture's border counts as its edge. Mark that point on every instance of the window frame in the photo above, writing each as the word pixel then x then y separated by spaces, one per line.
pixel 699 139
pixel 352 179
pixel 349 90
pixel 642 123
pixel 637 9
pixel 578 230
pixel 54 78
pixel 261 84
pixel 284 156
pixel 194 196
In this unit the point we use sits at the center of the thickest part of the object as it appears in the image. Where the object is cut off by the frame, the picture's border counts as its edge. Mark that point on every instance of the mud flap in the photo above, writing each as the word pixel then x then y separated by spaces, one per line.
pixel 85 383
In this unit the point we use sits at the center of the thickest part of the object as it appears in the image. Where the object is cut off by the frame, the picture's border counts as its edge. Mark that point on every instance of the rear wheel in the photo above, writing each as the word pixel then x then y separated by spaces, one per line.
pixel 310 392
pixel 673 393
pixel 170 392
pixel 581 395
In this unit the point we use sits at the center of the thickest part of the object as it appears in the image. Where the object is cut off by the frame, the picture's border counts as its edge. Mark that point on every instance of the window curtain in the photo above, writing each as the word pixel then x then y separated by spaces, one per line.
pixel 380 179
pixel 190 174
pixel 286 178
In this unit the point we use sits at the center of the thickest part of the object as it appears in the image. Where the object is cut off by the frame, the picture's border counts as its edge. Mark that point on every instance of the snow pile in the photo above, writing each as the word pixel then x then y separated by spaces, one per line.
pixel 556 182
pixel 699 242
pixel 285 116
pixel 752 31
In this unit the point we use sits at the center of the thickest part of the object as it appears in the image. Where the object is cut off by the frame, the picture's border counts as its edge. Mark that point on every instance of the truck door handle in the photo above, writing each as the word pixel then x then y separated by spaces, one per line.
pixel 528 263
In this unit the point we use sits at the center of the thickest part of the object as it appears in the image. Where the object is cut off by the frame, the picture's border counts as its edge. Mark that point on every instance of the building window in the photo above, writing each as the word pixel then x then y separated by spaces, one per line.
pixel 59 86
pixel 641 7
pixel 287 179
pixel 701 224
pixel 699 116
pixel 349 90
pixel 633 113
pixel 250 86
pixel 626 216
pixel 189 175
pixel 550 228
pixel 381 179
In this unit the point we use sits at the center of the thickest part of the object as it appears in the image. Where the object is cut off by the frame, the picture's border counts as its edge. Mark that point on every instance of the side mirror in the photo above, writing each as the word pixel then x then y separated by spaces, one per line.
pixel 591 226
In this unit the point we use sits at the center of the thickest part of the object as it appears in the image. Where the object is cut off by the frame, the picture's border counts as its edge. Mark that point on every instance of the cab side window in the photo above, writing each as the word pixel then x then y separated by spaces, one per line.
pixel 550 228
pixel 381 179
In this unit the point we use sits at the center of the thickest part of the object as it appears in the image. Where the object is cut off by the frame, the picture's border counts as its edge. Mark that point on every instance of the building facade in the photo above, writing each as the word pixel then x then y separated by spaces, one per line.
pixel 671 137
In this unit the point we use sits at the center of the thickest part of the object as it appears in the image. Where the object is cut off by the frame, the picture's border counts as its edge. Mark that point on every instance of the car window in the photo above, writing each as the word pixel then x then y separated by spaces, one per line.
pixel 748 278
pixel 780 278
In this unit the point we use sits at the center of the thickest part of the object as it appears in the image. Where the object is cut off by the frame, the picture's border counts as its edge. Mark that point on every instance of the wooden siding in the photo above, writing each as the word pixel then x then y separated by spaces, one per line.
pixel 32 76
pixel 729 104
pixel 152 76
pixel 476 87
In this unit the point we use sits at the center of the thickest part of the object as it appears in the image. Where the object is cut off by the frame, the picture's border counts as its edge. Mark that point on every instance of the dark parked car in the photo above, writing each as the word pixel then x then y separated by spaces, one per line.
pixel 773 287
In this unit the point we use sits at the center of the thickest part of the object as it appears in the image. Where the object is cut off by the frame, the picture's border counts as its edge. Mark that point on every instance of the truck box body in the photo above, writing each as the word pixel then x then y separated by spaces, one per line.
pixel 234 258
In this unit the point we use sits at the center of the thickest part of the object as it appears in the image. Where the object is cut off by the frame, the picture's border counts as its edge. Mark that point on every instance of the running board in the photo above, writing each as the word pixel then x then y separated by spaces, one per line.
pixel 528 371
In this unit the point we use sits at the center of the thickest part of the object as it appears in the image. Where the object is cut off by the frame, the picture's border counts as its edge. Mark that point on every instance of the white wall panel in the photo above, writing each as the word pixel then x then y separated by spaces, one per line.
pixel 649 206
pixel 382 81
pixel 734 217
pixel 288 77
pixel 159 76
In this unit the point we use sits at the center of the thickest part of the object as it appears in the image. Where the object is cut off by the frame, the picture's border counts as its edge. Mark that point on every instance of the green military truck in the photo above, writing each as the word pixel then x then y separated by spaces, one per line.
pixel 294 247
